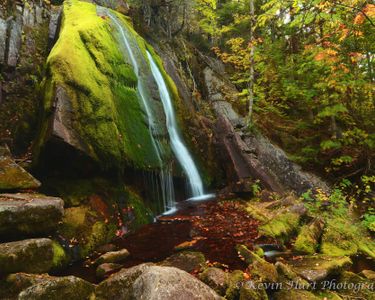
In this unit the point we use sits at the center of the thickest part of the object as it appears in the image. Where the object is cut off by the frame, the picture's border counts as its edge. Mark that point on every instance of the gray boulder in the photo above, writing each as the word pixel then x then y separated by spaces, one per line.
pixel 152 282
pixel 29 214
pixel 31 256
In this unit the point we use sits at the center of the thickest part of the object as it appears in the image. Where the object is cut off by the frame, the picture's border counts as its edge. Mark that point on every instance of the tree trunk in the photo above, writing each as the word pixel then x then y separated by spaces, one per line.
pixel 252 49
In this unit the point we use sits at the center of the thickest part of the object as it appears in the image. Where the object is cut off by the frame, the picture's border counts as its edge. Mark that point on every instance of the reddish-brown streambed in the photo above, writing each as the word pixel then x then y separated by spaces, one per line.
pixel 213 228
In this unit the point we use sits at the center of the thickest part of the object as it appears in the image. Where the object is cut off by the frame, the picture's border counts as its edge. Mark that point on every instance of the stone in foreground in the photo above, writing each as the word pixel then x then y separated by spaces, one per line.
pixel 29 214
pixel 12 176
pixel 30 256
pixel 58 288
pixel 152 282
pixel 319 267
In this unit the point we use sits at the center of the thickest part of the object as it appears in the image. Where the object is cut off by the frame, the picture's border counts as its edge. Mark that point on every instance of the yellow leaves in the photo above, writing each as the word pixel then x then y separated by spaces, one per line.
pixel 328 55
pixel 368 11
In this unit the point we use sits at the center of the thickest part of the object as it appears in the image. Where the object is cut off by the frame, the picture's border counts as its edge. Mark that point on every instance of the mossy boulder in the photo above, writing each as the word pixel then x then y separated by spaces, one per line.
pixel 235 282
pixel 91 96
pixel 58 288
pixel 29 214
pixel 216 279
pixel 31 256
pixel 308 238
pixel 342 237
pixel 353 286
pixel 259 268
pixel 248 292
pixel 12 176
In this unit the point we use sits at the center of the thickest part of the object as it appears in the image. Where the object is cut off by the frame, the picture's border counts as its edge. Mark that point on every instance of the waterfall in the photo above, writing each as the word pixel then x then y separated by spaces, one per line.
pixel 179 149
pixel 177 145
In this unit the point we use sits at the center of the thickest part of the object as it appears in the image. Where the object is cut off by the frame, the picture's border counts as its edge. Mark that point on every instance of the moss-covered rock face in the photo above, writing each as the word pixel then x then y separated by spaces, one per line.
pixel 90 90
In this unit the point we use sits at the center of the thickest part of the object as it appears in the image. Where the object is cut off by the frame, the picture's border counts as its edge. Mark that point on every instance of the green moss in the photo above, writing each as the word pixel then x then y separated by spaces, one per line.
pixel 341 237
pixel 308 238
pixel 234 284
pixel 281 226
pixel 142 214
pixel 88 64
pixel 60 258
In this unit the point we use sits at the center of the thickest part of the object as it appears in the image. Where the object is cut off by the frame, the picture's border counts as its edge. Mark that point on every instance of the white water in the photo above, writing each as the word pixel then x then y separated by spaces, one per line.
pixel 179 149
pixel 165 176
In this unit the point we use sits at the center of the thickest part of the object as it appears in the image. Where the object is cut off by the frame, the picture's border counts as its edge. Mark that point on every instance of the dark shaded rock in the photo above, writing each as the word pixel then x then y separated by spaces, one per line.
pixel 216 279
pixel 106 269
pixel 14 42
pixel 54 26
pixel 58 288
pixel 3 41
pixel 31 256
pixel 309 237
pixel 317 268
pixel 140 282
pixel 12 176
pixel 186 260
pixel 113 257
pixel 29 214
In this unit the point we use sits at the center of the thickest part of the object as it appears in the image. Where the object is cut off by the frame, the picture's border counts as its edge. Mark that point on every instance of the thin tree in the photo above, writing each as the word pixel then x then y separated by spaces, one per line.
pixel 252 50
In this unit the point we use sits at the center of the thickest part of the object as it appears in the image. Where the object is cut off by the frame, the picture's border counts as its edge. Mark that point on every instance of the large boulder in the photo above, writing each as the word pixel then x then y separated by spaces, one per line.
pixel 12 176
pixel 152 282
pixel 309 237
pixel 215 278
pixel 29 214
pixel 92 102
pixel 31 256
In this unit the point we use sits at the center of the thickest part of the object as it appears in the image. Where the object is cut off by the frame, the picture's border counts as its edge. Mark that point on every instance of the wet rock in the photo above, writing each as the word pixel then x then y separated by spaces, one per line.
pixel 3 40
pixel 295 295
pixel 12 176
pixel 29 214
pixel 15 41
pixel 216 279
pixel 31 256
pixel 113 257
pixel 186 260
pixel 259 268
pixel 317 268
pixel 140 282
pixel 58 288
pixel 352 286
pixel 106 269
pixel 309 237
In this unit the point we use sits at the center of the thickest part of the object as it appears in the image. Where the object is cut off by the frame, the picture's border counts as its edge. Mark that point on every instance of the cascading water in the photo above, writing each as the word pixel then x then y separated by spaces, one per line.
pixel 179 149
